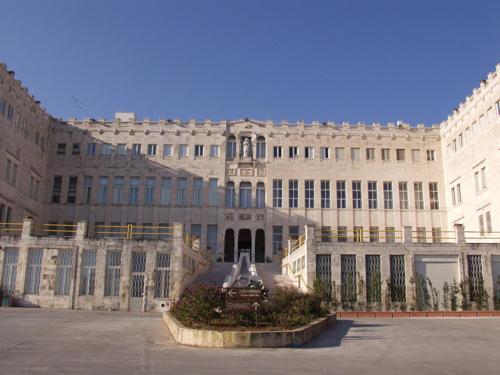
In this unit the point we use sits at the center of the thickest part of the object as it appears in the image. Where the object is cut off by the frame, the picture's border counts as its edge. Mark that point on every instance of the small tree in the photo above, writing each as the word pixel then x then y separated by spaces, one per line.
pixel 446 296
pixel 434 296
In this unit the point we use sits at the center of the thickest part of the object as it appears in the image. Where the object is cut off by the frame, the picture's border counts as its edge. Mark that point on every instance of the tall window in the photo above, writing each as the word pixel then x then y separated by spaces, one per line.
pixel 400 154
pixel 149 191
pixel 278 152
pixel 102 194
pixel 277 193
pixel 11 172
pixel 309 152
pixel 355 154
pixel 372 194
pixel 341 194
pixel 483 177
pixel 136 149
pixel 87 187
pixel 419 195
pixel 245 195
pixel 277 238
pixel 293 193
pixel 453 198
pixel 415 155
pixel 459 194
pixel 198 150
pixel 260 198
pixel 197 191
pixel 183 151
pixel 181 191
pixel 370 154
pixel 489 228
pixel 112 274
pixel 403 195
pixel 212 238
pixel 64 272
pixel 213 192
pixel 162 274
pixel 325 194
pixel 168 150
pixel 56 189
pixel 214 151
pixel 433 195
pixel 106 149
pixel 309 193
pixel 166 188
pixel 261 147
pixel 431 155
pixel 293 152
pixel 121 149
pixel 388 203
pixel 152 149
pixel 476 181
pixel 33 271
pixel 339 153
pixel 118 189
pixel 72 184
pixel 386 154
pixel 230 195
pixel 231 147
pixel 324 153
pixel 356 194
pixel 133 190
pixel 87 275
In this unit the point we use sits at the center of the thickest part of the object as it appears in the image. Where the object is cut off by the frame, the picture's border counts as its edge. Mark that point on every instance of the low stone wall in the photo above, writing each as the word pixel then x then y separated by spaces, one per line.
pixel 245 339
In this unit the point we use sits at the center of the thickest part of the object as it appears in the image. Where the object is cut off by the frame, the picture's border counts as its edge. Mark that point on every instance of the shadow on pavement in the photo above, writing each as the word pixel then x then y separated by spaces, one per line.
pixel 335 335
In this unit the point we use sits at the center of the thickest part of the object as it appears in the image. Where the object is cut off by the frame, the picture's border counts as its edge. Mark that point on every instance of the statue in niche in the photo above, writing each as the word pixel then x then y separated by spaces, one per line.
pixel 246 147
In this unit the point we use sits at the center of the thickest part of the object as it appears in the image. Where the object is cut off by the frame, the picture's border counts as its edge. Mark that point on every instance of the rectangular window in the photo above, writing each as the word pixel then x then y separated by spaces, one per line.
pixel 459 194
pixel 386 154
pixel 87 187
pixel 106 149
pixel 342 234
pixel 198 151
pixel 309 193
pixel 324 153
pixel 180 199
pixel 356 194
pixel 453 199
pixel 293 193
pixel 293 152
pixel 341 194
pixel 388 203
pixel 355 154
pixel 400 154
pixel 11 173
pixel 370 154
pixel 64 272
pixel 483 177
pixel 121 149
pixel 419 195
pixel 168 150
pixel 102 194
pixel 162 275
pixel 433 195
pixel 75 149
pixel 260 196
pixel 261 148
pixel 91 149
pixel 325 194
pixel 136 149
pixel 166 183
pixel 212 239
pixel 421 235
pixel 213 192
pixel 9 270
pixel 112 274
pixel 133 190
pixel 436 235
pixel 151 149
pixel 33 271
pixel 309 152
pixel 72 184
pixel 277 152
pixel 293 232
pixel 87 275
pixel 487 215
pixel 339 153
pixel 415 155
pixel 277 238
pixel 476 181
pixel 118 183
pixel 326 234
pixel 61 149
pixel 372 194
pixel 183 151
pixel 358 234
pixel 431 155
pixel 277 193
pixel 374 234
pixel 481 225
pixel 56 189
pixel 214 151
pixel 197 191
pixel 149 191
pixel 390 234
pixel 460 140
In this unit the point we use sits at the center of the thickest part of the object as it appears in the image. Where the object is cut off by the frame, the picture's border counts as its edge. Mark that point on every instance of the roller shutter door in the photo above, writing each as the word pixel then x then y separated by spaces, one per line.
pixel 438 268
pixel 495 268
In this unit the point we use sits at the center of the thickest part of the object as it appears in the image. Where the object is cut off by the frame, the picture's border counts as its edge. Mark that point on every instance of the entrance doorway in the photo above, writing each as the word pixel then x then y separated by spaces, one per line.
pixel 260 246
pixel 229 246
pixel 244 241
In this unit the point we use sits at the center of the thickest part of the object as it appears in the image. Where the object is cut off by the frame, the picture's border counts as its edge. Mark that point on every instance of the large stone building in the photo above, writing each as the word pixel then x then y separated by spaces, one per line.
pixel 250 185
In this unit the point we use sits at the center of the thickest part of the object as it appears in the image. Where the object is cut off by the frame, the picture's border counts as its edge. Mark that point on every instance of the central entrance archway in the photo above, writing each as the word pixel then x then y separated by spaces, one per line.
pixel 244 241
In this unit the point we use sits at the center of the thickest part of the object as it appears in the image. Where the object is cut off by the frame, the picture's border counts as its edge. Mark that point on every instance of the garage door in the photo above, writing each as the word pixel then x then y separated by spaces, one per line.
pixel 439 269
pixel 495 268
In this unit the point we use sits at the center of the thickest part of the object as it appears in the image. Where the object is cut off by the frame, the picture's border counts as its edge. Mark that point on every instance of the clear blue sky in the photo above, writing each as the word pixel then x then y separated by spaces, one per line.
pixel 371 61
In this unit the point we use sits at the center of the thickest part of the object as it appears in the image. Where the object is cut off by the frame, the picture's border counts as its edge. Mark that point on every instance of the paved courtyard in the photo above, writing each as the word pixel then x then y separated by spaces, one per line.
pixel 38 341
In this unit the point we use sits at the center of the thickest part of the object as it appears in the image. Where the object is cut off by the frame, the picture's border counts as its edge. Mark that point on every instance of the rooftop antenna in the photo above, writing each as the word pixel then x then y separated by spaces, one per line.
pixel 77 105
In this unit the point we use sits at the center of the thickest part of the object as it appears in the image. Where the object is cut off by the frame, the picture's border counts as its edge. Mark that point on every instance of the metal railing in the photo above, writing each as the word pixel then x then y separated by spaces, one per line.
pixel 358 235
pixel 61 230
pixel 131 231
pixel 10 228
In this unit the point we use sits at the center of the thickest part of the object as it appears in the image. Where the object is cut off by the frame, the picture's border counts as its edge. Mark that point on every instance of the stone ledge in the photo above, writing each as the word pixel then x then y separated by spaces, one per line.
pixel 417 314
pixel 245 339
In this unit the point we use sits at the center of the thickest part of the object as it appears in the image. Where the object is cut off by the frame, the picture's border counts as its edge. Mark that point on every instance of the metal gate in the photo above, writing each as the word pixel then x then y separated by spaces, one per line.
pixel 137 284
pixel 9 271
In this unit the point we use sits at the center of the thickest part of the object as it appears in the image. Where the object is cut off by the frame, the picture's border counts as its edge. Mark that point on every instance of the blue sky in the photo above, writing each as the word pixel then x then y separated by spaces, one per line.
pixel 370 61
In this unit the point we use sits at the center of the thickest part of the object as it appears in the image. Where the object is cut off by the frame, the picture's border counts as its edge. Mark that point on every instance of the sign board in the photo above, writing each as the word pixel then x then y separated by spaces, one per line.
pixel 242 305
pixel 243 299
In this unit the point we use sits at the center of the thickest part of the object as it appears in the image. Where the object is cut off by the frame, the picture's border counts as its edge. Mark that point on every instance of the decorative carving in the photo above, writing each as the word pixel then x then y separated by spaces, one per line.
pixel 231 172
pixel 246 147
pixel 261 173
pixel 246 172
pixel 245 217
pixel 229 216
pixel 260 216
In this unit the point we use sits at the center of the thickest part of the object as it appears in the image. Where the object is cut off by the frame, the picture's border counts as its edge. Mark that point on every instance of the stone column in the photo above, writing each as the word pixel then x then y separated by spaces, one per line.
pixel 253 238
pixel 26 230
pixel 81 230
pixel 236 235
pixel 176 259
pixel 407 234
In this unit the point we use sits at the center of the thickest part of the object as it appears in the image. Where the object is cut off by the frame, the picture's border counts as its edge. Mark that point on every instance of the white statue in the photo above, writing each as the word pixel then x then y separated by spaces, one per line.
pixel 246 147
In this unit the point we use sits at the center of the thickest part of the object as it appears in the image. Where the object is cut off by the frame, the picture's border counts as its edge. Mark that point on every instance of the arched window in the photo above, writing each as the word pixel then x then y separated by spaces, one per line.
pixel 245 195
pixel 261 147
pixel 260 198
pixel 231 147
pixel 230 195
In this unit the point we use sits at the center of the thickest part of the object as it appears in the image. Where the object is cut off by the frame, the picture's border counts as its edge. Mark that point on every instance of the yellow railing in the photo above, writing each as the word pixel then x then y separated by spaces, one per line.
pixel 130 231
pixel 295 244
pixel 64 230
pixel 11 228
pixel 299 276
